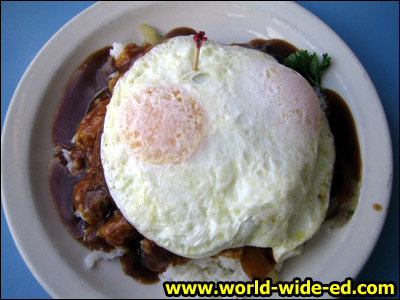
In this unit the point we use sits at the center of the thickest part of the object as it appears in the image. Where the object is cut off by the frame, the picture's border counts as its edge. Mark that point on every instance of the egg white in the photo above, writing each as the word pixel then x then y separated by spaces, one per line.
pixel 261 171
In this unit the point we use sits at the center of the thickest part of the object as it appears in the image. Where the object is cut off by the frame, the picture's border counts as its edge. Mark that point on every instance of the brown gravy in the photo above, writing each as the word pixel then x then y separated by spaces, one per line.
pixel 279 49
pixel 89 85
pixel 377 207
pixel 348 165
pixel 88 82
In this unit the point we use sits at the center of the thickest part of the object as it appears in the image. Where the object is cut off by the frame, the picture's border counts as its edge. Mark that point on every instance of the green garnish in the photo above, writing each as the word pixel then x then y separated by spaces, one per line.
pixel 308 65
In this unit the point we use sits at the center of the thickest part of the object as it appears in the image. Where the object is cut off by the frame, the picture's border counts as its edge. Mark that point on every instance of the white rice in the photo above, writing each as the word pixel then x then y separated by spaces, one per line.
pixel 207 269
pixel 218 268
pixel 96 255
pixel 70 163
pixel 117 49
pixel 112 75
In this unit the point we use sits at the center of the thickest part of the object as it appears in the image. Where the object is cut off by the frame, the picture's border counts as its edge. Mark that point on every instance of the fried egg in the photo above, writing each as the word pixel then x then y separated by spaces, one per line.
pixel 236 153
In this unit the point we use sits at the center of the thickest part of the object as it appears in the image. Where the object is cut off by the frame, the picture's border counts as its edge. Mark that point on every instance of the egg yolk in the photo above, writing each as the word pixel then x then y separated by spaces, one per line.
pixel 162 125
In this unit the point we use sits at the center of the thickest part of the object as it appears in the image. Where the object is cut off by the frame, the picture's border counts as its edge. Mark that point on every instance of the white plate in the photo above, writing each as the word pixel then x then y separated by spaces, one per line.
pixel 51 253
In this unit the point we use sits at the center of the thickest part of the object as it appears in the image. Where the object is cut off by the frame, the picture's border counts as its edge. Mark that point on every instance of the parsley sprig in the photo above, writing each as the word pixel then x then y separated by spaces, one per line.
pixel 307 64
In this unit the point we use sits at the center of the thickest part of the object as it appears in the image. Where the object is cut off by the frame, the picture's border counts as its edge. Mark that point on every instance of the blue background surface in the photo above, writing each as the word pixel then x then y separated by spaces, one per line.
pixel 371 29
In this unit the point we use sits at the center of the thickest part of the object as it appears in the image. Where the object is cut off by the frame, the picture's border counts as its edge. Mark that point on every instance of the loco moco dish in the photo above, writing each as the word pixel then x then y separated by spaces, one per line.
pixel 227 168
